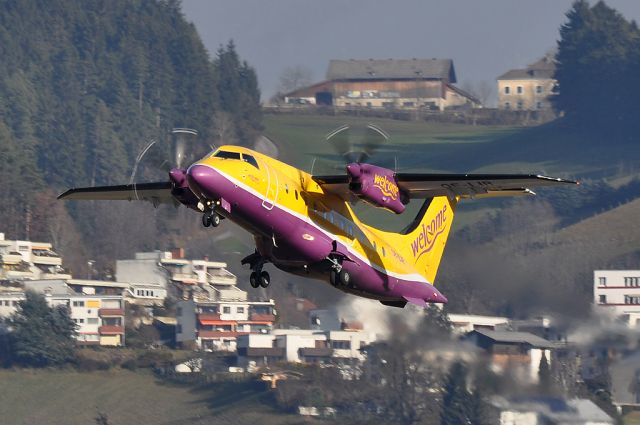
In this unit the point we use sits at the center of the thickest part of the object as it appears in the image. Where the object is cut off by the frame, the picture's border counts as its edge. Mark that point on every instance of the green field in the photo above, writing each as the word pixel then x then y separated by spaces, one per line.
pixel 554 148
pixel 72 398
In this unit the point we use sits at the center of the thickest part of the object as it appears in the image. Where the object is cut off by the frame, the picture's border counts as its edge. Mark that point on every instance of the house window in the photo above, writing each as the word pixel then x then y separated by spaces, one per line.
pixel 507 105
pixel 179 311
pixel 603 299
pixel 92 321
pixel 507 90
pixel 240 310
pixel 539 89
pixel 179 328
pixel 519 105
pixel 226 310
pixel 538 105
pixel 341 345
pixel 519 90
pixel 78 303
pixel 602 281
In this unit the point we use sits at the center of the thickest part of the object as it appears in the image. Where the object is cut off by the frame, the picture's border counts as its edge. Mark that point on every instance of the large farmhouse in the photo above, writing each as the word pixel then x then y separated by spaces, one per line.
pixel 387 83
pixel 529 88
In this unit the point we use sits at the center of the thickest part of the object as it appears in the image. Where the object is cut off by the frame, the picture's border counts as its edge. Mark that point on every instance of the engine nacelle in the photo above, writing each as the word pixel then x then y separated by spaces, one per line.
pixel 376 185
pixel 181 189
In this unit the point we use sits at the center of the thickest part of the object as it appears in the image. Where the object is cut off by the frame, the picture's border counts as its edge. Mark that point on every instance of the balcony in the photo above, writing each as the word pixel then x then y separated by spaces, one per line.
pixel 257 317
pixel 208 316
pixel 45 257
pixel 111 330
pixel 186 278
pixel 220 334
pixel 221 277
pixel 10 258
pixel 105 312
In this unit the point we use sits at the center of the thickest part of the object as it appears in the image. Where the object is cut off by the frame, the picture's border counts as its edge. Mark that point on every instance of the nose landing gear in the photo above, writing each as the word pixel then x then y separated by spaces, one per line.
pixel 211 218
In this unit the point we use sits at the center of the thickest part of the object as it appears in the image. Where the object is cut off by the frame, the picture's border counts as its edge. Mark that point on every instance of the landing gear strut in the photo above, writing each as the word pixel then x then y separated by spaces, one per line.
pixel 338 276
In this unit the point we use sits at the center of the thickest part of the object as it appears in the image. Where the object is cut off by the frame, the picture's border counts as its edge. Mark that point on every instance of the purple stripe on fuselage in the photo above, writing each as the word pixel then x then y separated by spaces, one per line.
pixel 291 247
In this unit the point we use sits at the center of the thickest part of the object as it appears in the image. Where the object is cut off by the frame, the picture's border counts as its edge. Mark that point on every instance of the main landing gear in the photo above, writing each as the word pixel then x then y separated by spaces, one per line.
pixel 258 277
pixel 211 218
pixel 338 276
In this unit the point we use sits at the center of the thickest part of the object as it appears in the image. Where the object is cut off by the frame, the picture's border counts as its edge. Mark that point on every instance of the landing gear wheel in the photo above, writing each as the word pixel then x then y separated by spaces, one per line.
pixel 253 280
pixel 265 279
pixel 333 277
pixel 214 219
pixel 345 277
pixel 206 220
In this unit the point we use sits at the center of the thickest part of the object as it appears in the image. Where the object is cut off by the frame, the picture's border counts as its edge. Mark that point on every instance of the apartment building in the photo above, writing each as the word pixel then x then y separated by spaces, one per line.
pixel 29 260
pixel 617 293
pixel 96 307
pixel 152 275
pixel 215 323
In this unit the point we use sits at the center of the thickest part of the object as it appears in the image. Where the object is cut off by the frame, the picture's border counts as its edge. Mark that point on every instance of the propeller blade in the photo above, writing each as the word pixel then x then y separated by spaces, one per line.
pixel 369 139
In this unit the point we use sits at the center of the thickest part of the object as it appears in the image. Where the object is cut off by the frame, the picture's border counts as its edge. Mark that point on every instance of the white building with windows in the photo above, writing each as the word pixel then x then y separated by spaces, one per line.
pixel 303 346
pixel 97 308
pixel 617 293
pixel 152 275
pixel 21 260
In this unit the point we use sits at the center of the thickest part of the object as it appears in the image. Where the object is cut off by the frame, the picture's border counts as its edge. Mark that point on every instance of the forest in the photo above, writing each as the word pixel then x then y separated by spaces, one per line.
pixel 84 87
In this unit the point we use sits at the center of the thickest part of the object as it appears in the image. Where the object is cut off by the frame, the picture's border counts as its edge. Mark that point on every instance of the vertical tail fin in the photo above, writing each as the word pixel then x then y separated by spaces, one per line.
pixel 424 240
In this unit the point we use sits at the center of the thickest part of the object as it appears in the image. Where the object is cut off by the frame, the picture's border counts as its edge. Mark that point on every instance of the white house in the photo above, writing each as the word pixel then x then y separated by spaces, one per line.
pixel 617 293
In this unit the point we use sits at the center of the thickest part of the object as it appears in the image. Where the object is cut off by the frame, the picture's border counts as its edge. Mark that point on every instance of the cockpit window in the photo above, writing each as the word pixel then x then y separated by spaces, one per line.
pixel 227 155
pixel 250 159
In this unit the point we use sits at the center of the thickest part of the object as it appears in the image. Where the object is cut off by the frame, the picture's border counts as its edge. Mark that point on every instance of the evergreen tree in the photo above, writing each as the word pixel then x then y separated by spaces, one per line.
pixel 436 322
pixel 457 401
pixel 544 375
pixel 597 67
pixel 41 336
pixel 239 95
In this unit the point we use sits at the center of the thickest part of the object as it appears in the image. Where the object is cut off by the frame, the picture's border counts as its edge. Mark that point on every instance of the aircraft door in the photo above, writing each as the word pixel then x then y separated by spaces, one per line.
pixel 271 187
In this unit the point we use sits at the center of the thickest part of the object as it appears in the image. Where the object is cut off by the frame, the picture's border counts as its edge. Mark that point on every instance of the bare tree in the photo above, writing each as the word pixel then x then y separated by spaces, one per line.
pixel 295 77
pixel 224 129
pixel 482 90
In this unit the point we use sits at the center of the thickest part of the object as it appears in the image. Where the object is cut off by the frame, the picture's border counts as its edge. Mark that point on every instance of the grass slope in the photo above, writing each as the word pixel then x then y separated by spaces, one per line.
pixel 72 398
pixel 554 148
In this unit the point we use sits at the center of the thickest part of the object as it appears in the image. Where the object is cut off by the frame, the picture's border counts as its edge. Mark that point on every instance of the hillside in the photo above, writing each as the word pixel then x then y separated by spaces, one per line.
pixel 71 398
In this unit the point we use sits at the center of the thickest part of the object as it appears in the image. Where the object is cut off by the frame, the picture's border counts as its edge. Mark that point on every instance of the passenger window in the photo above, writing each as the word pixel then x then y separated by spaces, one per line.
pixel 296 195
pixel 227 155
pixel 250 159
pixel 383 253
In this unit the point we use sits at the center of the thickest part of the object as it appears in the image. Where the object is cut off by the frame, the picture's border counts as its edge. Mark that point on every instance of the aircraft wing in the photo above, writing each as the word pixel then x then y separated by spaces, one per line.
pixel 473 185
pixel 418 185
pixel 156 193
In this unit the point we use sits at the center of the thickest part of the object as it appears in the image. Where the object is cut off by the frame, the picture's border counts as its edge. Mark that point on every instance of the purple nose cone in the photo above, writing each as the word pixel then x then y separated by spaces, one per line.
pixel 202 180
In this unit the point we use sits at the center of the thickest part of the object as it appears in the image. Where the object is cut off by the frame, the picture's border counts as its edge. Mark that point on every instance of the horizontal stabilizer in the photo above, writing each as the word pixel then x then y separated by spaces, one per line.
pixel 416 301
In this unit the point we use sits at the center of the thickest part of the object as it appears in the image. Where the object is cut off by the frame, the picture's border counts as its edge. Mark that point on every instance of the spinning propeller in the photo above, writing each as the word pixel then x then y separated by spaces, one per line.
pixel 371 183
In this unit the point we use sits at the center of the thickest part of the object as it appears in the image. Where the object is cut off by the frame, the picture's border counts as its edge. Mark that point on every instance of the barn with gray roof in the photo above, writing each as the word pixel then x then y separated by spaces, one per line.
pixel 387 84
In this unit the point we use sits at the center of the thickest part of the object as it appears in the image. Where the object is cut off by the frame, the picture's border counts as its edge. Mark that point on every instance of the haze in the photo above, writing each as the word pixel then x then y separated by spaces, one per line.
pixel 484 38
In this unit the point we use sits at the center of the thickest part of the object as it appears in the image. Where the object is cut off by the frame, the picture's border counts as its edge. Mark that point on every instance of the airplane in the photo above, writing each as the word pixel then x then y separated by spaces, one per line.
pixel 304 224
